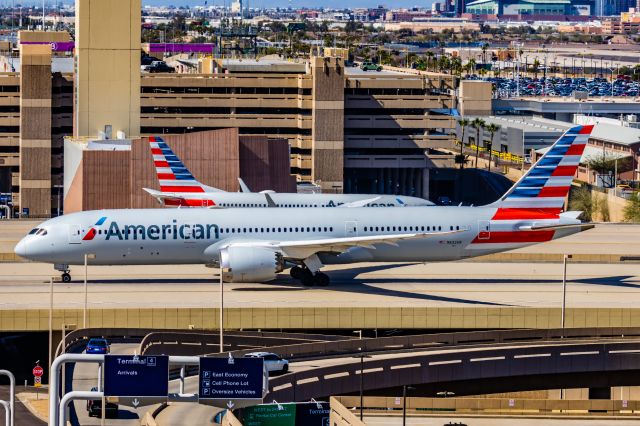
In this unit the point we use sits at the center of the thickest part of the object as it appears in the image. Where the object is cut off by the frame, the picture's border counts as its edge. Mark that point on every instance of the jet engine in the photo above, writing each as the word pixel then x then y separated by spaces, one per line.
pixel 250 264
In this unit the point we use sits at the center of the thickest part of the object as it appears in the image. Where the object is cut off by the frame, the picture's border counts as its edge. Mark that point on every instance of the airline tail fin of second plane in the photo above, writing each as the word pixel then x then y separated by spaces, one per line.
pixel 545 186
pixel 173 175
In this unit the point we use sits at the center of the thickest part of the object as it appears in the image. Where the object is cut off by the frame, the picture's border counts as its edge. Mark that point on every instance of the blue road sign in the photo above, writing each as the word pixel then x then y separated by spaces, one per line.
pixel 139 376
pixel 231 378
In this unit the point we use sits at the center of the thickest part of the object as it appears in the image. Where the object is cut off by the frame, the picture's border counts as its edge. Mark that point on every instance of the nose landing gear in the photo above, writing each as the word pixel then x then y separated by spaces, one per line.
pixel 66 276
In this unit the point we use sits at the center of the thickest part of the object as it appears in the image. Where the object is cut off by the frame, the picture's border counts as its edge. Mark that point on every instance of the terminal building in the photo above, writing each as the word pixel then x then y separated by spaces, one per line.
pixel 348 130
pixel 531 7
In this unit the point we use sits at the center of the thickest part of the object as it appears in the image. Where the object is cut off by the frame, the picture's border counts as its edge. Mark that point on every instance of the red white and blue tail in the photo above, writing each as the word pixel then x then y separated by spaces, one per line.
pixel 545 186
pixel 173 175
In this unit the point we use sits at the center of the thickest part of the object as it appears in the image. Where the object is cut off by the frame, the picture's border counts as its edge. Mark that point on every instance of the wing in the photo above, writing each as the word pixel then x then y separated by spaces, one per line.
pixel 303 249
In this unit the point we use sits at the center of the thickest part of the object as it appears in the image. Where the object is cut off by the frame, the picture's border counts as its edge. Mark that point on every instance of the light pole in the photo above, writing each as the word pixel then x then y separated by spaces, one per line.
pixel 564 290
pixel 87 256
pixel 405 388
pixel 221 328
pixel 612 69
pixel 362 357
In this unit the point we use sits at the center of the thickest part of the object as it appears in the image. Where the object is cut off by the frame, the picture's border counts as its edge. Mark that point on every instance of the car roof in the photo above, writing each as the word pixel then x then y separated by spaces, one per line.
pixel 259 353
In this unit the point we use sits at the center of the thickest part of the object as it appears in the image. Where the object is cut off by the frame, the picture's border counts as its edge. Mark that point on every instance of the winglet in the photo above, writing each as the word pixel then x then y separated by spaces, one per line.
pixel 270 201
pixel 243 186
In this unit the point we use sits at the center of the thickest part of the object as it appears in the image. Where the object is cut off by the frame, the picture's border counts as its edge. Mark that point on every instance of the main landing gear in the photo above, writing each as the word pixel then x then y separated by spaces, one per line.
pixel 66 276
pixel 308 278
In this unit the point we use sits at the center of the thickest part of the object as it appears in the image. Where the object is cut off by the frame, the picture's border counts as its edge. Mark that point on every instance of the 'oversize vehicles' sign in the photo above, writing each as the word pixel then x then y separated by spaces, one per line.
pixel 136 376
pixel 231 379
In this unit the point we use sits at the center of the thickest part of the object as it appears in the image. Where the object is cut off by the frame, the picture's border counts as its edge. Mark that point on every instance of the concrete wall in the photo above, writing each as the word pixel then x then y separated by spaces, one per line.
pixel 328 123
pixel 108 66
pixel 475 97
pixel 35 130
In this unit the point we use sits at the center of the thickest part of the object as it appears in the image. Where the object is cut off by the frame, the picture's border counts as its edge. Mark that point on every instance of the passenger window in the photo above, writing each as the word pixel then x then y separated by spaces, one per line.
pixel 279 230
pixel 308 229
pixel 365 229
pixel 457 228
pixel 422 228
pixel 331 229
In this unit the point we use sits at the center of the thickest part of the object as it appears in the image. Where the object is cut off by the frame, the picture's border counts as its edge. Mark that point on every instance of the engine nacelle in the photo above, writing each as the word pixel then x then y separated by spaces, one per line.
pixel 250 264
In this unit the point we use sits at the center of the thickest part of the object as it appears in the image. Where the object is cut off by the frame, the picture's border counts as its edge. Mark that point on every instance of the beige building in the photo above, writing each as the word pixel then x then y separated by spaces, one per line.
pixel 348 130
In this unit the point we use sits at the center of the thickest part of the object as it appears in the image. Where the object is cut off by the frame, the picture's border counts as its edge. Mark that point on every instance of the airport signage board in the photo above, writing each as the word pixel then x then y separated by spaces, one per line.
pixel 289 414
pixel 136 376
pixel 231 379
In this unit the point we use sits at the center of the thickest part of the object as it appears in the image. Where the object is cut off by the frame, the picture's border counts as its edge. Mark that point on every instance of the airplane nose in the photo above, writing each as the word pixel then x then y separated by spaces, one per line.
pixel 21 248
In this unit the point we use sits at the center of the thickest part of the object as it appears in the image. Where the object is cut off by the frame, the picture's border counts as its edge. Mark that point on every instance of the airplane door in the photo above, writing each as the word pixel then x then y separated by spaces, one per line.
pixel 351 229
pixel 484 230
pixel 75 236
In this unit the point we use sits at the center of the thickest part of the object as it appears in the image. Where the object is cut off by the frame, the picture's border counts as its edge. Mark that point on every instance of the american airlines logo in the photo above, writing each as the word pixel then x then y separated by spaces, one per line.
pixel 172 231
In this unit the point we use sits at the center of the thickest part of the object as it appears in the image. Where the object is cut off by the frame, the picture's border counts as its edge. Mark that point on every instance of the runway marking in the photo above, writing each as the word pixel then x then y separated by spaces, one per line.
pixel 531 356
pixel 284 386
pixel 398 367
pixel 579 353
pixel 625 351
pixel 494 358
pixel 309 380
pixel 372 370
pixel 336 375
pixel 455 361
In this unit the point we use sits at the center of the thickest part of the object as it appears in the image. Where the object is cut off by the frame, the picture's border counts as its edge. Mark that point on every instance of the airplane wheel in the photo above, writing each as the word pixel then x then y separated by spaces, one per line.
pixel 322 279
pixel 296 272
pixel 307 278
pixel 66 277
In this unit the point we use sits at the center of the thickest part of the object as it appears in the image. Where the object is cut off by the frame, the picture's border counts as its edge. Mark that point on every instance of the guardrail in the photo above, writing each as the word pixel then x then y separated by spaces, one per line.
pixel 503 406
pixel 519 367
pixel 422 341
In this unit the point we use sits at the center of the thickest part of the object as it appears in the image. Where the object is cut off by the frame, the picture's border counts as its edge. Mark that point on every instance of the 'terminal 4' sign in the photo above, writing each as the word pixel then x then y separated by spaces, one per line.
pixel 136 376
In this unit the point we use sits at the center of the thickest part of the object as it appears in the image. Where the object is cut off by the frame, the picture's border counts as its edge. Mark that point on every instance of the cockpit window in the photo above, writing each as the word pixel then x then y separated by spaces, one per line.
pixel 33 231
pixel 42 232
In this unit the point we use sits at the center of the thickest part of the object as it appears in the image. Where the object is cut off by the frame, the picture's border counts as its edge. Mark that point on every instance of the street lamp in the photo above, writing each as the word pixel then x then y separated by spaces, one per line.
pixel 87 256
pixel 564 289
pixel 362 357
pixel 405 388
pixel 445 394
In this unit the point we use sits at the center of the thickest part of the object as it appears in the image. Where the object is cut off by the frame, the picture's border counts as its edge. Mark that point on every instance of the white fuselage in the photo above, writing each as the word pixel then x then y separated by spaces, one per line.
pixel 257 199
pixel 195 236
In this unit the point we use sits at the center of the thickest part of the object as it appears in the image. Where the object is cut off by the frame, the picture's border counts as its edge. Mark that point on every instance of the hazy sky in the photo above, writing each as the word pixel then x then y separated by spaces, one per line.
pixel 295 3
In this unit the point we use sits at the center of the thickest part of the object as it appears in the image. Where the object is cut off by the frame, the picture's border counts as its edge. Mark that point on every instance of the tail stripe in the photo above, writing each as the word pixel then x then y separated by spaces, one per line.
pixel 172 174
pixel 547 183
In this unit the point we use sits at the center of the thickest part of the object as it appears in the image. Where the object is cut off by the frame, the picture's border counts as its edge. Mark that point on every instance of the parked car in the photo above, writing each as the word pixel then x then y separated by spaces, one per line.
pixel 443 200
pixel 273 362
pixel 624 187
pixel 94 407
pixel 159 66
pixel 370 66
pixel 97 346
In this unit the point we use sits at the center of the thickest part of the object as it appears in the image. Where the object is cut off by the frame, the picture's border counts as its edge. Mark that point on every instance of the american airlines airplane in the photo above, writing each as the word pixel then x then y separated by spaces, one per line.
pixel 254 244
pixel 178 187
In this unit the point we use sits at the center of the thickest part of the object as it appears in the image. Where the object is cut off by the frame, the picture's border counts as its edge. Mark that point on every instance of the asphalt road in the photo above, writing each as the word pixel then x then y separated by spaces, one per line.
pixel 22 416
pixel 85 376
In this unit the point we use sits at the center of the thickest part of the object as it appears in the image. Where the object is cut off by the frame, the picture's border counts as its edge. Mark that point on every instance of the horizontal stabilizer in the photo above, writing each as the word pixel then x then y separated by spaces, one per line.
pixel 360 203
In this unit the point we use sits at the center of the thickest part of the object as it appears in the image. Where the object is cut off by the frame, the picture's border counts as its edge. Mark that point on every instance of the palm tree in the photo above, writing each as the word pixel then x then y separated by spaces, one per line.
pixel 463 122
pixel 471 64
pixel 430 56
pixel 491 128
pixel 478 124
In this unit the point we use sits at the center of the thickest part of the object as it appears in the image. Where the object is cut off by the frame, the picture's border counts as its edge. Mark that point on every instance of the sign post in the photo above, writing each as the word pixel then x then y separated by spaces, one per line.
pixel 136 380
pixel 231 382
